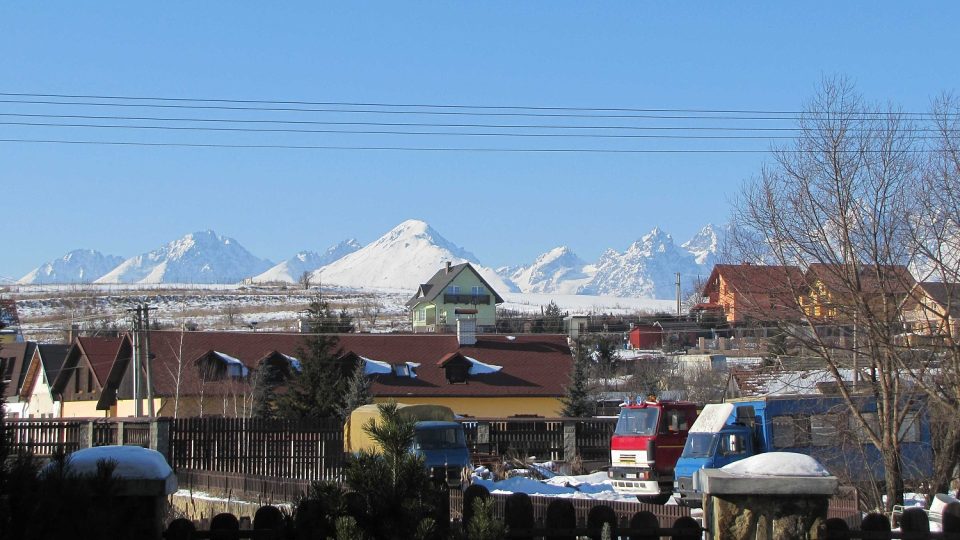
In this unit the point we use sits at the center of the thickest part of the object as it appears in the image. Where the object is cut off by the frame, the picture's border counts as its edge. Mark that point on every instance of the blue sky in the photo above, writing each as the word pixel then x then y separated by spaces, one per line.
pixel 506 207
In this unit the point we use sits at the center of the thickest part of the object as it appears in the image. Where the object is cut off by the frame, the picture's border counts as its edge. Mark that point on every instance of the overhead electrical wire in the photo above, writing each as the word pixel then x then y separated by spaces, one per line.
pixel 734 131
pixel 792 113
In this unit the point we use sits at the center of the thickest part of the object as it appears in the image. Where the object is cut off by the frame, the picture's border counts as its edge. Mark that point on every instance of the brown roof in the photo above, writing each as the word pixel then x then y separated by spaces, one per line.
pixel 945 294
pixel 532 365
pixel 19 355
pixel 100 353
pixel 885 279
pixel 755 278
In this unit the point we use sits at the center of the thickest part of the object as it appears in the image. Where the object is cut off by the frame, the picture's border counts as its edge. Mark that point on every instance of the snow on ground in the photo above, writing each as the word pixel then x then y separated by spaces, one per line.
pixel 777 464
pixel 582 304
pixel 589 486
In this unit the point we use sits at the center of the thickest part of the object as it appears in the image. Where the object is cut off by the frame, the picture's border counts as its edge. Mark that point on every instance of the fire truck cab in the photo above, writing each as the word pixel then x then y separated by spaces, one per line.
pixel 646 444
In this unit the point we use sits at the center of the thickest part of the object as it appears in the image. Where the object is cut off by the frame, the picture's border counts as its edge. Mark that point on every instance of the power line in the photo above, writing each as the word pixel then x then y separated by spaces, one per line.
pixel 396 132
pixel 387 148
pixel 402 124
pixel 450 106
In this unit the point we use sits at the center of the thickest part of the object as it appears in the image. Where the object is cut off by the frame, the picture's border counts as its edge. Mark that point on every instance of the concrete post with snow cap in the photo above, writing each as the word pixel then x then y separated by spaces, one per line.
pixel 776 495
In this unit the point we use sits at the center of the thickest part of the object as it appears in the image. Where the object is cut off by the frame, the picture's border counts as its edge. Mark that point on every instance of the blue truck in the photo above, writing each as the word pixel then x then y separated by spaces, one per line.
pixel 439 439
pixel 820 426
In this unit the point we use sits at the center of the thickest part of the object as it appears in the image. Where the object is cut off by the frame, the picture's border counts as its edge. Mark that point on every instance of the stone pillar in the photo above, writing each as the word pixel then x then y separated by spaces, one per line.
pixel 702 343
pixel 87 435
pixel 483 436
pixel 722 344
pixel 754 507
pixel 569 441
pixel 160 436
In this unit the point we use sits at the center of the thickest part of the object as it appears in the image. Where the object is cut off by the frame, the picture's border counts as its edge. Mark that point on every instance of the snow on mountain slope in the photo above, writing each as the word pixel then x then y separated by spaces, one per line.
pixel 410 254
pixel 647 269
pixel 704 245
pixel 78 266
pixel 290 270
pixel 556 271
pixel 201 257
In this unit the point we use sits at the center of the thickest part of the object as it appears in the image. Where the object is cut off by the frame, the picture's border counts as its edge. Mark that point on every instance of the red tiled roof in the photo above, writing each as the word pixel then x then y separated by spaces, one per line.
pixel 757 278
pixel 532 365
pixel 890 279
pixel 101 352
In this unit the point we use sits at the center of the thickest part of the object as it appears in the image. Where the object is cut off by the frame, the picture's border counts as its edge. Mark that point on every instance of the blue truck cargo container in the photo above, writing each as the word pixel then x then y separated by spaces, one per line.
pixel 819 426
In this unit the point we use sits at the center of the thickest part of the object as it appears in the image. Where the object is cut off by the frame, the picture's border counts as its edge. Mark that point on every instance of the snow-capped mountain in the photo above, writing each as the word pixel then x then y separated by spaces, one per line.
pixel 200 257
pixel 78 266
pixel 556 271
pixel 408 255
pixel 704 245
pixel 403 258
pixel 290 270
pixel 646 269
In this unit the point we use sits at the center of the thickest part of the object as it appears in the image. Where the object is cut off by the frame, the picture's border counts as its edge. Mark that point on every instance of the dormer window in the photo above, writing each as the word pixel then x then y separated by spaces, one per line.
pixel 456 367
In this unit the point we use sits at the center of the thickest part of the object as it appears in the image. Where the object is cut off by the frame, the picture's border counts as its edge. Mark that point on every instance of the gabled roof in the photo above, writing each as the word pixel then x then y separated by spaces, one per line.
pixel 947 295
pixel 755 278
pixel 532 365
pixel 48 358
pixel 430 290
pixel 882 279
pixel 20 355
pixel 100 353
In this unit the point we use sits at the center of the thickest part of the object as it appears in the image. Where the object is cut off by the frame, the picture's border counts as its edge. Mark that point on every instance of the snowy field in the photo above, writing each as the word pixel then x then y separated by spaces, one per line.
pixel 46 311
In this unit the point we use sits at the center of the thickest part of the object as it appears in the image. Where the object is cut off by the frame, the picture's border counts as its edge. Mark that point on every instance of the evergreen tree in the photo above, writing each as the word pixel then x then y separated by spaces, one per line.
pixel 358 390
pixel 577 400
pixel 552 318
pixel 318 389
pixel 265 381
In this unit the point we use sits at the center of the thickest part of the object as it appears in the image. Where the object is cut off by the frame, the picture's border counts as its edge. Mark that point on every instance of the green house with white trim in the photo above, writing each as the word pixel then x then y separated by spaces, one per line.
pixel 455 292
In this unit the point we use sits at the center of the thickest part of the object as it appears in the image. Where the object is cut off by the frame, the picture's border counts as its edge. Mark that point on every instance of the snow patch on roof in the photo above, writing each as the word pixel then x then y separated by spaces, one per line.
pixel 478 368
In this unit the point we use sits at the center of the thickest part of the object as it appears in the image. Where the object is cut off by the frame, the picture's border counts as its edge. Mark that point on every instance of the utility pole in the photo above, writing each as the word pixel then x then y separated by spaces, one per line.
pixel 135 361
pixel 147 360
pixel 678 295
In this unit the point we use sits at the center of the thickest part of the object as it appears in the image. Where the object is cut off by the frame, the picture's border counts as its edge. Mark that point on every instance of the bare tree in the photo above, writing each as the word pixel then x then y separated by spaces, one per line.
pixel 305 280
pixel 838 199
pixel 369 309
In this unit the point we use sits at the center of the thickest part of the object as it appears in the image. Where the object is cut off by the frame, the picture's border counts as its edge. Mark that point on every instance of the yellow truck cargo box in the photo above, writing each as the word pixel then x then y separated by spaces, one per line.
pixel 356 439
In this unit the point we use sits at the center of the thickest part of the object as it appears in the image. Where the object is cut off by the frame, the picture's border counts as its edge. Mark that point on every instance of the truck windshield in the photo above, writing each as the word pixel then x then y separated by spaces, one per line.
pixel 699 445
pixel 638 421
pixel 434 439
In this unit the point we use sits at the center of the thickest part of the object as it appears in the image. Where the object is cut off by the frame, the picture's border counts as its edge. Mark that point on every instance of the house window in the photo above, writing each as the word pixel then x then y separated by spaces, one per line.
pixel 453 289
pixel 76 380
pixel 6 364
pixel 791 431
pixel 477 290
pixel 89 381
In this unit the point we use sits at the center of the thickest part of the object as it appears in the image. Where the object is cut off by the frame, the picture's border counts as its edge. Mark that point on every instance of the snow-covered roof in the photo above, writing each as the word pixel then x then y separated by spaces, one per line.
pixel 235 367
pixel 477 367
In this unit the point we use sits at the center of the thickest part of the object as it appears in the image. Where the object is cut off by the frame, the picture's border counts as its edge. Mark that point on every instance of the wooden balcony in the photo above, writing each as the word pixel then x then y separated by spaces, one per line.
pixel 473 299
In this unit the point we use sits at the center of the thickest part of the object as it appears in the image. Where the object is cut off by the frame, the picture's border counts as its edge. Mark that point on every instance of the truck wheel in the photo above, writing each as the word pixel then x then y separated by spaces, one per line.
pixel 660 499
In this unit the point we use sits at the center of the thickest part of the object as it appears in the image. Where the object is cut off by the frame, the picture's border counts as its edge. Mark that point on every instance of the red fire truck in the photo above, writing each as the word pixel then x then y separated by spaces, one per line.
pixel 646 444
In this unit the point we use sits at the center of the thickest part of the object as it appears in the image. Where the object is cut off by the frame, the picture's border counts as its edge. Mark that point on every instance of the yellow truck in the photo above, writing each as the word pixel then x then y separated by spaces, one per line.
pixel 438 438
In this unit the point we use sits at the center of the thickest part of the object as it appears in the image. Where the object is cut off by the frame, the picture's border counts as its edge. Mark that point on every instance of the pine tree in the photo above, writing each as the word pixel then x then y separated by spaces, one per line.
pixel 318 389
pixel 577 401
pixel 265 381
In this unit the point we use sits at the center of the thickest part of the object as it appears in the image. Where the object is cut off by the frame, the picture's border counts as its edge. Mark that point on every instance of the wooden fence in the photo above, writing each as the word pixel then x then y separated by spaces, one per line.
pixel 306 450
pixel 557 439
pixel 45 437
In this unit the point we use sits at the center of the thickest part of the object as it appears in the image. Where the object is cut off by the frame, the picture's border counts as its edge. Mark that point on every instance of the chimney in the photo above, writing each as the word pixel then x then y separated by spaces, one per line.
pixel 466 331
pixel 448 267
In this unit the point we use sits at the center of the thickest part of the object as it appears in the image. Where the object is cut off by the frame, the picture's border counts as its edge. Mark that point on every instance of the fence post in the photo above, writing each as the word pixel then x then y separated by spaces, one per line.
pixel 569 440
pixel 88 436
pixel 483 436
pixel 120 433
pixel 160 436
